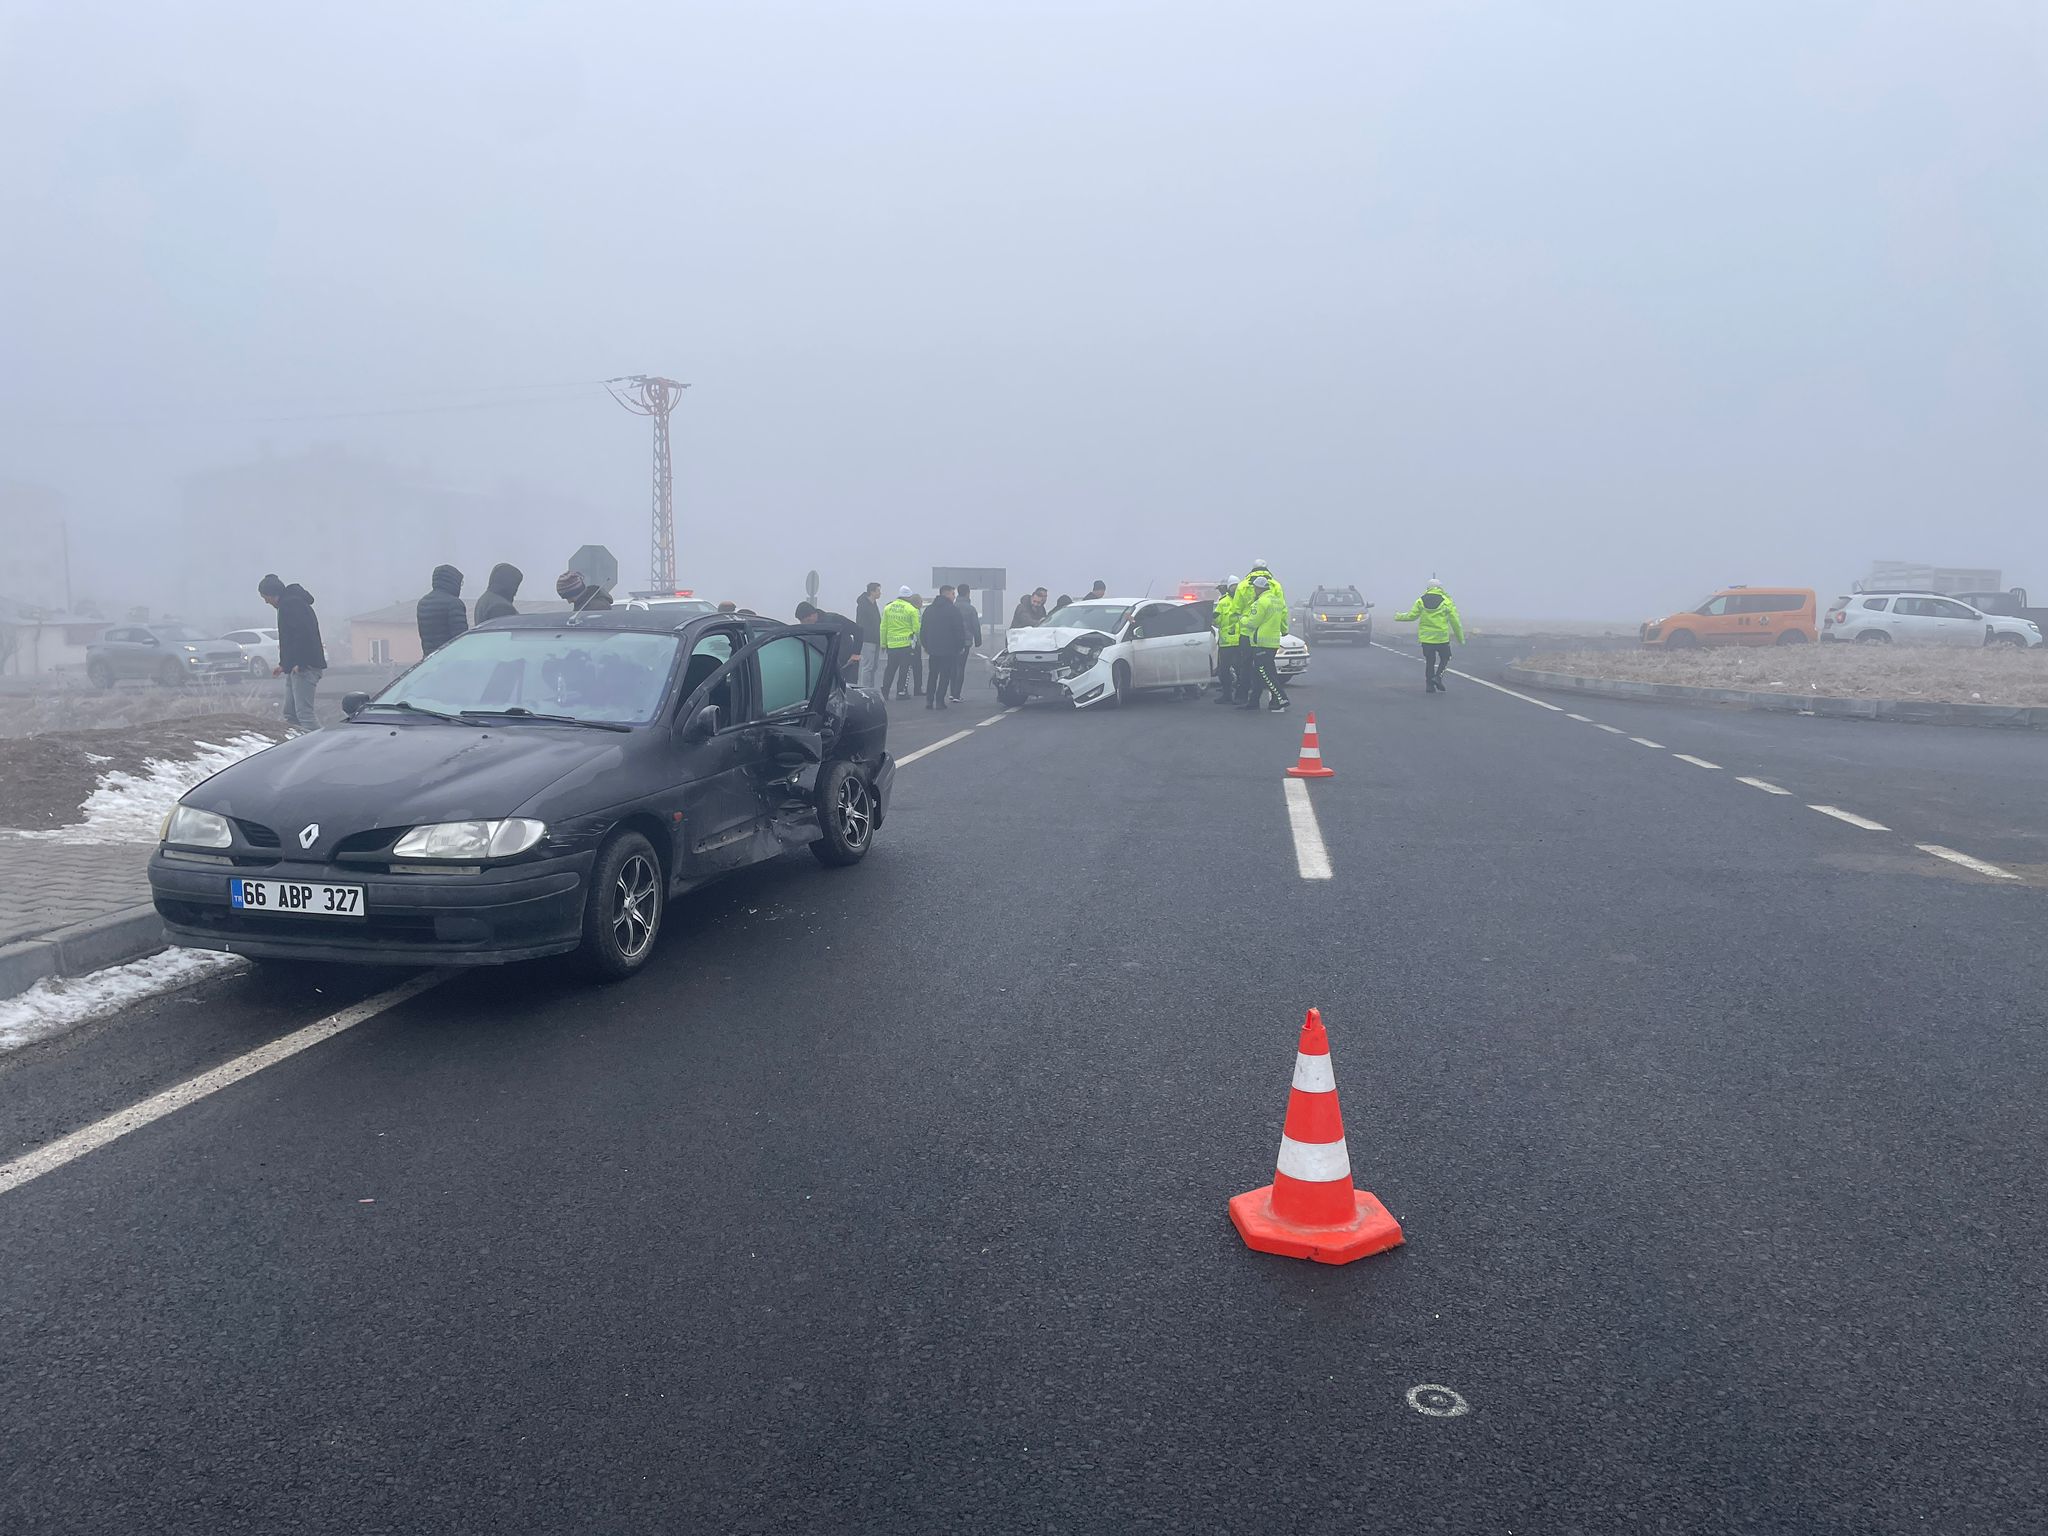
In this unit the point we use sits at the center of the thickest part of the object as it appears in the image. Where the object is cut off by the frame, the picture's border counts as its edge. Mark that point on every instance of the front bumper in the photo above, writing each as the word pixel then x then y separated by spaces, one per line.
pixel 1050 680
pixel 1291 663
pixel 513 912
pixel 1338 629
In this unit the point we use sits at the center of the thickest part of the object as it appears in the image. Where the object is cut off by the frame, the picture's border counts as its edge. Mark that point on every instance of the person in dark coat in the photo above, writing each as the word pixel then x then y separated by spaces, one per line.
pixel 441 614
pixel 301 658
pixel 496 603
pixel 1030 610
pixel 970 618
pixel 579 594
pixel 811 613
pixel 867 615
pixel 944 638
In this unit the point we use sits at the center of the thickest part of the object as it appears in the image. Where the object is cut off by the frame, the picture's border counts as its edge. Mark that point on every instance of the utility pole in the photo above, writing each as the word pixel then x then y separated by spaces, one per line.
pixel 651 396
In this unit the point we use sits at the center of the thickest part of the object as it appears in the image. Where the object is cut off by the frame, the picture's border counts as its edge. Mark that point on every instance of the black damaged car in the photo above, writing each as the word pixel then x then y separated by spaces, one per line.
pixel 540 785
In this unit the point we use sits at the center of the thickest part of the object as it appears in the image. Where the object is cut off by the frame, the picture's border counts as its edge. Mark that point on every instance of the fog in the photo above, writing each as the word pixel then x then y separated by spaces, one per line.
pixel 1585 309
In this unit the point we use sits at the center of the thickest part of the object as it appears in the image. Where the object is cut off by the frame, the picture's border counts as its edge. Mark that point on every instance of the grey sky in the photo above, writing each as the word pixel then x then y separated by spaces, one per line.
pixel 1586 308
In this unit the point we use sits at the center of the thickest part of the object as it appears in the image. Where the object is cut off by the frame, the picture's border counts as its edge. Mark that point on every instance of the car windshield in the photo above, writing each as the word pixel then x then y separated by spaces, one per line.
pixel 586 674
pixel 1337 597
pixel 1107 617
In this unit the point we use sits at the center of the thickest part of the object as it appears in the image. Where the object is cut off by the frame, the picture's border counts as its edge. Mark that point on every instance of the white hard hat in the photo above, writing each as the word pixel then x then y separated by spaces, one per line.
pixel 903 591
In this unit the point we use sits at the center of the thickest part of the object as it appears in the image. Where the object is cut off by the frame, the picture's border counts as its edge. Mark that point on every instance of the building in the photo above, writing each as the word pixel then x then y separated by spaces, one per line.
pixel 390 636
pixel 37 641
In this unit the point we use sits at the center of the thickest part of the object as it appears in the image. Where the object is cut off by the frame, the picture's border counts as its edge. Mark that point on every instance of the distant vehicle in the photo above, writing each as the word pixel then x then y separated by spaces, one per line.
pixel 1741 616
pixel 1335 613
pixel 1107 649
pixel 681 607
pixel 259 649
pixel 1922 618
pixel 1291 660
pixel 537 786
pixel 170 654
pixel 2005 605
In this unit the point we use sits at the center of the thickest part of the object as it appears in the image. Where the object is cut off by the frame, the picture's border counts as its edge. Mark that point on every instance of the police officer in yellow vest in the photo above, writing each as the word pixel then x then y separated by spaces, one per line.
pixel 1229 642
pixel 1265 625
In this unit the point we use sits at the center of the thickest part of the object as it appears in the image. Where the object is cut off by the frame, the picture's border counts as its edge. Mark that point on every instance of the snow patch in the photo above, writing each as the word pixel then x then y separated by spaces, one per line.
pixel 52 1006
pixel 130 807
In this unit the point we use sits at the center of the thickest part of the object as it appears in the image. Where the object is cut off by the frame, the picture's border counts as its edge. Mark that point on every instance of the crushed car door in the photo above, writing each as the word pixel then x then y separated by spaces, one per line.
pixel 721 809
pixel 796 674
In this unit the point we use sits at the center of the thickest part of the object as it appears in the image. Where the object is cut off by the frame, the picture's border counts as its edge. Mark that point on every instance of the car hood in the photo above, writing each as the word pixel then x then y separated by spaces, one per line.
pixel 367 774
pixel 1046 638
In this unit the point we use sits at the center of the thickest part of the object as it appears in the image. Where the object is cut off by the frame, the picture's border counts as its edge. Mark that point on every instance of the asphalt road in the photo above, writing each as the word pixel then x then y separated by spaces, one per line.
pixel 893 1198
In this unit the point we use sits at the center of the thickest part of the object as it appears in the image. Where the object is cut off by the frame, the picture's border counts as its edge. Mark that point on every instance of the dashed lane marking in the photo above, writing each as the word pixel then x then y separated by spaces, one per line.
pixel 991 720
pixel 945 741
pixel 1765 785
pixel 1311 856
pixel 1580 718
pixel 1644 741
pixel 68 1149
pixel 1978 866
pixel 1697 762
pixel 1612 730
pixel 1555 709
pixel 1850 817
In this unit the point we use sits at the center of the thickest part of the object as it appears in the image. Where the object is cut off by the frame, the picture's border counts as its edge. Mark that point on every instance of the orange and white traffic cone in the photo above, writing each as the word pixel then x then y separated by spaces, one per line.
pixel 1311 1210
pixel 1310 764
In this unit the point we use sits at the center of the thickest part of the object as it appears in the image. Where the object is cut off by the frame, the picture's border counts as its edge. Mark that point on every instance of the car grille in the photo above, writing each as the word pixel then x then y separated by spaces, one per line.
pixel 256 835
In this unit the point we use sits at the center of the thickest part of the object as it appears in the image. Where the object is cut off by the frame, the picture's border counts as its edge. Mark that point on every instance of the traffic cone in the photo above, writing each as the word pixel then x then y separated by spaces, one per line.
pixel 1310 764
pixel 1311 1209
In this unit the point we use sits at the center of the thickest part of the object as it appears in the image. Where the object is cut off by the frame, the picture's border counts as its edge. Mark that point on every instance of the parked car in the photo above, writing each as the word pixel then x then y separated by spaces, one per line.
pixel 259 649
pixel 1335 613
pixel 1740 616
pixel 677 608
pixel 538 786
pixel 2005 605
pixel 1923 618
pixel 1108 649
pixel 171 654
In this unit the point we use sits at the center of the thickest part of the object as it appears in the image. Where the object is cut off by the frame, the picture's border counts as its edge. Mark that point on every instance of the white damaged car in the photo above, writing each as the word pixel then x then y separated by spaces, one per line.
pixel 1108 648
pixel 1089 653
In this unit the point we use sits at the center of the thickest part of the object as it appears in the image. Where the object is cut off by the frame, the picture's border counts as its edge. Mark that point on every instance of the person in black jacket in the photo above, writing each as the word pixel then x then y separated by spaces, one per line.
pixel 867 617
pixel 496 603
pixel 301 658
pixel 970 619
pixel 811 613
pixel 441 614
pixel 944 638
pixel 1030 610
pixel 580 595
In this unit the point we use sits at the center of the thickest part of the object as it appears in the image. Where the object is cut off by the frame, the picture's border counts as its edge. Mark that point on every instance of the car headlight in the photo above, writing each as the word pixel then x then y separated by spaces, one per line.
pixel 470 840
pixel 1358 618
pixel 1322 618
pixel 192 828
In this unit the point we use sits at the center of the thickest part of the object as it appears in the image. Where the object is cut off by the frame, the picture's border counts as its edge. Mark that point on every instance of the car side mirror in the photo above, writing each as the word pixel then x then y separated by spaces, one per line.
pixel 704 724
pixel 352 703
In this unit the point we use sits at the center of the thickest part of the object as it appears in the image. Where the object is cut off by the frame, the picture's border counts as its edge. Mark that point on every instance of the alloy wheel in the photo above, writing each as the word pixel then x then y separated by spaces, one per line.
pixel 633 906
pixel 856 811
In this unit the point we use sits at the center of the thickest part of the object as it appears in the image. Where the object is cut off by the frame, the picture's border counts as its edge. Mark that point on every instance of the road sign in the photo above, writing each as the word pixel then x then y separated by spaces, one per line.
pixel 599 566
pixel 811 586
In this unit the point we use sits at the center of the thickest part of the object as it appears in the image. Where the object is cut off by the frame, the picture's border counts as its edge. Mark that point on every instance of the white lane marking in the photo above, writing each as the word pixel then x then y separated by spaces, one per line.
pixel 991 720
pixel 910 757
pixel 1555 709
pixel 1978 865
pixel 1644 741
pixel 1850 817
pixel 1765 785
pixel 68 1149
pixel 1697 762
pixel 1311 857
pixel 1314 1162
pixel 1438 1402
pixel 1013 709
pixel 1612 730
pixel 1314 1074
pixel 1580 718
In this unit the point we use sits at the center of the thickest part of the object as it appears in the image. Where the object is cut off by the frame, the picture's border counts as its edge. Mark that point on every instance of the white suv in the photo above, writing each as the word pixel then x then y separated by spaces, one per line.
pixel 1922 618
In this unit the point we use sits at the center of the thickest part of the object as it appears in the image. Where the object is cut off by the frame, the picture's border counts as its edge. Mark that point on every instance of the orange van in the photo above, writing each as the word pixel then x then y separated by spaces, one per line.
pixel 1741 616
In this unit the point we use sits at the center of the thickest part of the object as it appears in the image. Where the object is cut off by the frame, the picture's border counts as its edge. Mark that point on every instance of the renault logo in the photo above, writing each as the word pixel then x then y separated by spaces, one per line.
pixel 309 834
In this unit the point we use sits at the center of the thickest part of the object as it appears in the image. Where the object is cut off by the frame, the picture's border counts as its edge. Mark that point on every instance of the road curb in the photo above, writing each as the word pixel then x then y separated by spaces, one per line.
pixel 1910 711
pixel 84 947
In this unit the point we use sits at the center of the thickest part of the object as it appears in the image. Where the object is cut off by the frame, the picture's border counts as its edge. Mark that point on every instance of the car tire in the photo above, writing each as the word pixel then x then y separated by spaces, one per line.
pixel 100 674
pixel 1791 637
pixel 1874 637
pixel 846 816
pixel 170 674
pixel 1120 681
pixel 2018 640
pixel 1680 639
pixel 258 667
pixel 1010 698
pixel 622 914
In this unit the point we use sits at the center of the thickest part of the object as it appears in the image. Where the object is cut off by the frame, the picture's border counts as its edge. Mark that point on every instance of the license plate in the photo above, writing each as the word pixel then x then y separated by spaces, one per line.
pixel 295 898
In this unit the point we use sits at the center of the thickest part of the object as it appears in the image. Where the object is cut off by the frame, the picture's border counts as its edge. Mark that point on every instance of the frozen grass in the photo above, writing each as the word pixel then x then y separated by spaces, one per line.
pixel 51 1007
pixel 1978 675
pixel 73 705
pixel 127 807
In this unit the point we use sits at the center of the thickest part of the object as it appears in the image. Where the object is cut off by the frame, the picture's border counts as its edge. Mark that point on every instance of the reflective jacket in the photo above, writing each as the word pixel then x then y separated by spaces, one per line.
pixel 1246 592
pixel 1435 617
pixel 1265 622
pixel 1228 630
pixel 899 624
